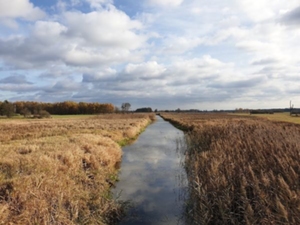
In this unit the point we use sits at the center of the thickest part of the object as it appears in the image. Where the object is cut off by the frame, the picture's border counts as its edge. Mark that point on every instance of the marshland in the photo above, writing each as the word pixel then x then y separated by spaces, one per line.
pixel 241 170
pixel 60 170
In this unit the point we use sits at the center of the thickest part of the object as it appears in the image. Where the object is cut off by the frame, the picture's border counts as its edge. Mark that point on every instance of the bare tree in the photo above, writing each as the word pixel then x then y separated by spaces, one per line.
pixel 125 107
pixel 291 108
pixel 8 109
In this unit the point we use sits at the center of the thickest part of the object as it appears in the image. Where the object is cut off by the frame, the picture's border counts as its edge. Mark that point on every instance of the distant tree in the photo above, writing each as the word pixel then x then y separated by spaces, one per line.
pixel 44 114
pixel 19 107
pixel 291 107
pixel 144 110
pixel 58 108
pixel 117 109
pixel 8 109
pixel 155 110
pixel 82 107
pixel 25 112
pixel 125 107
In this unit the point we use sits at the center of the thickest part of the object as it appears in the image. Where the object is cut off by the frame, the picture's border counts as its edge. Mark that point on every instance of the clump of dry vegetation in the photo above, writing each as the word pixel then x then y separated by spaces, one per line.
pixel 55 171
pixel 241 170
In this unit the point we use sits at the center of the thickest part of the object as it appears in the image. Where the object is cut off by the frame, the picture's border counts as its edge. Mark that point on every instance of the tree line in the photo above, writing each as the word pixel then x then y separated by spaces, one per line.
pixel 29 108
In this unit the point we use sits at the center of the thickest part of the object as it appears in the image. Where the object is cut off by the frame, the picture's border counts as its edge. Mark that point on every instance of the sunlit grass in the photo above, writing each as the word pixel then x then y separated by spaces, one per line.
pixel 59 170
pixel 72 116
pixel 241 170
pixel 284 117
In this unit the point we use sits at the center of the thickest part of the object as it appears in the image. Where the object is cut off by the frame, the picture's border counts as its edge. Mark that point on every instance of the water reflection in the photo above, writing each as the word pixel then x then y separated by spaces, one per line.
pixel 152 177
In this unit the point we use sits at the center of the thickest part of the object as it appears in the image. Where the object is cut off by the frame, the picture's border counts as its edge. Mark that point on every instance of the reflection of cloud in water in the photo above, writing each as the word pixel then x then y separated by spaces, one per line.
pixel 151 174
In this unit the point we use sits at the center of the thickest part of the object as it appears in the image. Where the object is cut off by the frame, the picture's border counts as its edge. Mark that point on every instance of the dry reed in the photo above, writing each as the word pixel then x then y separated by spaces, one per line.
pixel 241 170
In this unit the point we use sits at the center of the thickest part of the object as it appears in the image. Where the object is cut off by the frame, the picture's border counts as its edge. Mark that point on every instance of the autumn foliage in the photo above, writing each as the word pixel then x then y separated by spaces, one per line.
pixel 64 108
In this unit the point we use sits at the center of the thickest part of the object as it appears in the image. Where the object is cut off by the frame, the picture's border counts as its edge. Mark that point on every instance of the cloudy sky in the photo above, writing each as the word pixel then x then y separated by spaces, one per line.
pixel 164 54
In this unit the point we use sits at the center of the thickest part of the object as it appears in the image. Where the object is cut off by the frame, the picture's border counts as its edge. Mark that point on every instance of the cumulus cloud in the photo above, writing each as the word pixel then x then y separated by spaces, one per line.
pixel 188 81
pixel 179 45
pixel 14 9
pixel 107 74
pixel 265 9
pixel 83 39
pixel 147 70
pixel 292 17
pixel 15 79
pixel 264 61
pixel 179 52
pixel 48 32
pixel 111 28
pixel 99 3
pixel 166 2
pixel 20 89
pixel 66 85
pixel 205 66
pixel 240 84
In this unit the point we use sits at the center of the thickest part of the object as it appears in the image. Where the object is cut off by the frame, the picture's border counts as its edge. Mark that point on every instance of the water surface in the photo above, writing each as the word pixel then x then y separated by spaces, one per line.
pixel 152 177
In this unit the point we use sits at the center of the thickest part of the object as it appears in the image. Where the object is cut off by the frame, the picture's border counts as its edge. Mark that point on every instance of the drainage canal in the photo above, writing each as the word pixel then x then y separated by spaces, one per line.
pixel 152 178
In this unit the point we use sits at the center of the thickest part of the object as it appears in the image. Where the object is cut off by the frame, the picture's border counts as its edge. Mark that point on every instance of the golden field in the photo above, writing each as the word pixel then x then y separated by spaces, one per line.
pixel 59 171
pixel 283 117
pixel 241 170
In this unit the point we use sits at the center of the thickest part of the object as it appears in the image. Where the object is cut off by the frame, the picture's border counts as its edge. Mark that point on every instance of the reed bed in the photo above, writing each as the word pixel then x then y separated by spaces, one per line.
pixel 241 170
pixel 56 171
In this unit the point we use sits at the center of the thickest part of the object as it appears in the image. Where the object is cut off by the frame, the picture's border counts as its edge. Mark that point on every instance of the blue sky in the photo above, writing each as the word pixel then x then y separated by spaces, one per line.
pixel 164 54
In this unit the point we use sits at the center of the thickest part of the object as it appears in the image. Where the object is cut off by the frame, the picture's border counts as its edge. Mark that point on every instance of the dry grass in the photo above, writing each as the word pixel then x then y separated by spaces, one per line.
pixel 283 117
pixel 55 171
pixel 241 170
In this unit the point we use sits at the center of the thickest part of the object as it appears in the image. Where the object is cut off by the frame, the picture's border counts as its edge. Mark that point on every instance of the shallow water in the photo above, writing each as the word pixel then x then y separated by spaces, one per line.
pixel 152 177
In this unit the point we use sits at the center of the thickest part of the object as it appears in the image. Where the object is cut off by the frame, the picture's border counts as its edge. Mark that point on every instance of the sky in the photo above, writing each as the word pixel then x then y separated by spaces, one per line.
pixel 163 54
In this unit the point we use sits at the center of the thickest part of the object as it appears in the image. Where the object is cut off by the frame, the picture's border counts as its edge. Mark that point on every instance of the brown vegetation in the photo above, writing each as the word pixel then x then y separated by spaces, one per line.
pixel 241 170
pixel 38 109
pixel 56 171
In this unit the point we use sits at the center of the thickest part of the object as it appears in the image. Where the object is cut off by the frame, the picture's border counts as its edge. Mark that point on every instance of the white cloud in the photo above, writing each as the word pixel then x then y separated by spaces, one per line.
pixel 205 66
pixel 202 54
pixel 265 9
pixel 48 32
pixel 292 17
pixel 83 57
pixel 97 4
pixel 9 23
pixel 111 28
pixel 147 70
pixel 179 45
pixel 166 2
pixel 105 74
pixel 19 9
pixel 99 38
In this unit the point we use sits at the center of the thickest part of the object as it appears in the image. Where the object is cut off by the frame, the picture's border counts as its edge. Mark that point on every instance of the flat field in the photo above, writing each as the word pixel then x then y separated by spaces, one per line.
pixel 283 117
pixel 241 170
pixel 59 170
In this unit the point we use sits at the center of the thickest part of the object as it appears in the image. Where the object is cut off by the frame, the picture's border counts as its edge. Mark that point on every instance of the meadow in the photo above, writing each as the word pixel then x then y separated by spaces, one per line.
pixel 283 117
pixel 241 170
pixel 60 170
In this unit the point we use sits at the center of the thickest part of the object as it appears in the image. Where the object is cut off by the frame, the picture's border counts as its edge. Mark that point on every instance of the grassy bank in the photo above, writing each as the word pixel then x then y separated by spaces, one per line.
pixel 59 171
pixel 241 170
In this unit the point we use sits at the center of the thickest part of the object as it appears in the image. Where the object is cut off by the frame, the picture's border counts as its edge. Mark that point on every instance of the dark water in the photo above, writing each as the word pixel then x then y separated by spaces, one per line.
pixel 152 177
